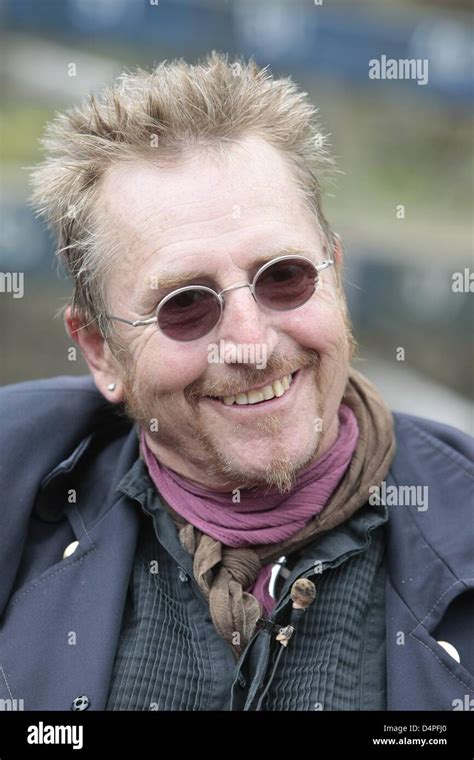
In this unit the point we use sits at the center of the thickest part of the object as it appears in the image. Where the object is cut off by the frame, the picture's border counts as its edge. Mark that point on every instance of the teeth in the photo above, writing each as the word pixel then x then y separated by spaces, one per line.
pixel 268 392
pixel 255 396
pixel 277 388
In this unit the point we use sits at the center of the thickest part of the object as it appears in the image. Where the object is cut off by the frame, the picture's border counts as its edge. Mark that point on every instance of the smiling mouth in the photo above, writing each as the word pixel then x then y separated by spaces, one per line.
pixel 261 395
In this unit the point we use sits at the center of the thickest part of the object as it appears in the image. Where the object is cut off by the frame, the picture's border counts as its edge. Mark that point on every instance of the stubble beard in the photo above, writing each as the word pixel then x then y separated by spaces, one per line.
pixel 220 466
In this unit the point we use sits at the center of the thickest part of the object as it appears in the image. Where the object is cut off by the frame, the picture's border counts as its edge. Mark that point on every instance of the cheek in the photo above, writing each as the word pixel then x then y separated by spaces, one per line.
pixel 318 326
pixel 170 369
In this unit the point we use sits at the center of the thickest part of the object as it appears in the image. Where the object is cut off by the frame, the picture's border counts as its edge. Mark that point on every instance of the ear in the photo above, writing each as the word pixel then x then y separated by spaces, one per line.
pixel 102 363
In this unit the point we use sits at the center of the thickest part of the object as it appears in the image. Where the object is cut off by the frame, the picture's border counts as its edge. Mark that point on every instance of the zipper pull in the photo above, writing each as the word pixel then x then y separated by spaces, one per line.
pixel 303 594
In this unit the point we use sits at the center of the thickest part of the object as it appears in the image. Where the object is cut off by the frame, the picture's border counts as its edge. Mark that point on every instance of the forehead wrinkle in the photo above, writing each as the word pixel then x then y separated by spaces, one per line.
pixel 139 230
pixel 170 211
pixel 219 236
pixel 170 216
pixel 139 227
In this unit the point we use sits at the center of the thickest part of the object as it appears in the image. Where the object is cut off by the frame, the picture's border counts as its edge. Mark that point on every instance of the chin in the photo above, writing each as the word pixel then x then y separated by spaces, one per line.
pixel 278 470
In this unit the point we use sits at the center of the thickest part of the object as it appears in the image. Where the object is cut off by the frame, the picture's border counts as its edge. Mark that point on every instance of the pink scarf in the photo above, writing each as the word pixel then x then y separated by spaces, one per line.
pixel 262 516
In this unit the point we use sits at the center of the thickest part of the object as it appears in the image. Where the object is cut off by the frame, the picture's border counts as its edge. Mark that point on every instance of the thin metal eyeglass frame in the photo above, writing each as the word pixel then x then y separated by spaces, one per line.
pixel 251 285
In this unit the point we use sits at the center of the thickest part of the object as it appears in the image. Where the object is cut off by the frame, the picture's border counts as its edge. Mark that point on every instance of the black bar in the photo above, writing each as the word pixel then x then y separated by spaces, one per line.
pixel 312 734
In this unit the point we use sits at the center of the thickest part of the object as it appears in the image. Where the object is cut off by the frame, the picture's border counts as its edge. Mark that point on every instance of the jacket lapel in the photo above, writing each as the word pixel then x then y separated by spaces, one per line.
pixel 60 630
pixel 59 635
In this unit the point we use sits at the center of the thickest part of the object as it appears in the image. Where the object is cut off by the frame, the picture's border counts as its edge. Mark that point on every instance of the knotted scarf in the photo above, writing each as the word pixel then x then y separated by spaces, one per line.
pixel 233 543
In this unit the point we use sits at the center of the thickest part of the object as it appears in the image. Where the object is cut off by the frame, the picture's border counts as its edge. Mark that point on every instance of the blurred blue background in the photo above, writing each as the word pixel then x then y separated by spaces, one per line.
pixel 397 143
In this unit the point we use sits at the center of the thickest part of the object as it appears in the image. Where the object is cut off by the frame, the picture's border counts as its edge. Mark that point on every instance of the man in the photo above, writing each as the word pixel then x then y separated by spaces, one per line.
pixel 257 531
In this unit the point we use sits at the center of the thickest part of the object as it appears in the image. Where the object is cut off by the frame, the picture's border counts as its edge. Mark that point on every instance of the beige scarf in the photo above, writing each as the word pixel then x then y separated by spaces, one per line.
pixel 223 572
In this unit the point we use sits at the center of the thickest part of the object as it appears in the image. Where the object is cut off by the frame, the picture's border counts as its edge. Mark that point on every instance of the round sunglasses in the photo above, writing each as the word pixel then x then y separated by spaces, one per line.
pixel 191 312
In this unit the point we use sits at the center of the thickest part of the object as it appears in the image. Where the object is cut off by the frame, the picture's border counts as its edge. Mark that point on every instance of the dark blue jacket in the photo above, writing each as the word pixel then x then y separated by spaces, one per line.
pixel 63 451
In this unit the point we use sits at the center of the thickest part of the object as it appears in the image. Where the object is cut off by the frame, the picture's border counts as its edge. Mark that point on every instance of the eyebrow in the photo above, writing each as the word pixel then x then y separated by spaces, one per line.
pixel 172 280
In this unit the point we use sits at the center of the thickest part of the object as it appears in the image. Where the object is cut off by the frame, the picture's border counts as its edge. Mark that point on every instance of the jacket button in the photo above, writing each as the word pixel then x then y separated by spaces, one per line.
pixel 452 651
pixel 80 703
pixel 70 549
pixel 182 575
pixel 241 681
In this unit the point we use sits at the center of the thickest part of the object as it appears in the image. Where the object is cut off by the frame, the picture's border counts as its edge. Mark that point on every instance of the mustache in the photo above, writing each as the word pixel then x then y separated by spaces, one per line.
pixel 250 377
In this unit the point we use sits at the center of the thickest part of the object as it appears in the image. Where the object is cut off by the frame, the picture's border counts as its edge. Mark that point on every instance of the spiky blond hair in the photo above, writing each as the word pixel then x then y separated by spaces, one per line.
pixel 161 115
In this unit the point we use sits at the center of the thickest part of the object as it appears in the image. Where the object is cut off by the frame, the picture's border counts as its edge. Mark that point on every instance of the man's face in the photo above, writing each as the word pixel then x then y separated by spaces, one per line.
pixel 219 214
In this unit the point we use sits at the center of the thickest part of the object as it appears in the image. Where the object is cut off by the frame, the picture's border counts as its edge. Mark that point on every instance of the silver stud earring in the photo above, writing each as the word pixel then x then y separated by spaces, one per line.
pixel 111 386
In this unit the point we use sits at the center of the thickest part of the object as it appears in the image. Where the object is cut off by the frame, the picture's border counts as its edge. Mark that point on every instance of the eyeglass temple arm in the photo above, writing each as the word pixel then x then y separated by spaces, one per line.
pixel 134 322
pixel 324 265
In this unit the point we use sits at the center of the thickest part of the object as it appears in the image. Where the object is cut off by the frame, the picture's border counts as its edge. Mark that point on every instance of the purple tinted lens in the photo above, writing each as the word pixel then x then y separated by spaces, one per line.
pixel 189 315
pixel 286 284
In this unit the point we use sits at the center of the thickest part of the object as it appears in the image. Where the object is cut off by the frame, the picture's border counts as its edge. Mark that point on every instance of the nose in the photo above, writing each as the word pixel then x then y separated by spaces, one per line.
pixel 245 323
